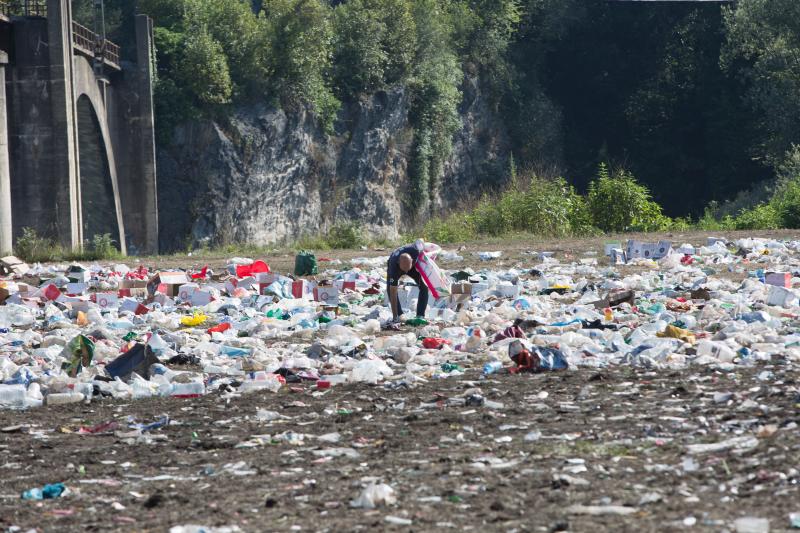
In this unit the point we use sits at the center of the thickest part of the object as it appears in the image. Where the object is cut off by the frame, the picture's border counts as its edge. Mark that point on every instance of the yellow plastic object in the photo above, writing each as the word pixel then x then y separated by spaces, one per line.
pixel 194 320
pixel 675 332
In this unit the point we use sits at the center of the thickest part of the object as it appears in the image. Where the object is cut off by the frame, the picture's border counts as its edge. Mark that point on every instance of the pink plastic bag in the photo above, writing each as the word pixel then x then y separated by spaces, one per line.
pixel 432 275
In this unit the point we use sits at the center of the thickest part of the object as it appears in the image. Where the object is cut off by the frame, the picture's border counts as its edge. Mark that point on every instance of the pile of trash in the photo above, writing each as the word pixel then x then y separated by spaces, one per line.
pixel 69 333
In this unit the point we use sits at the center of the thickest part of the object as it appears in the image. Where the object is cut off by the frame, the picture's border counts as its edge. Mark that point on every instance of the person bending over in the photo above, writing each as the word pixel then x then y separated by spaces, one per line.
pixel 402 262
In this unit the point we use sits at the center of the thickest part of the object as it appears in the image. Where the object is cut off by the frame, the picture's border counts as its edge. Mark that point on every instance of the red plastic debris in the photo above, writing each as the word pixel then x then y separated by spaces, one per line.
pixel 434 343
pixel 256 267
pixel 51 292
pixel 201 274
pixel 104 427
pixel 225 326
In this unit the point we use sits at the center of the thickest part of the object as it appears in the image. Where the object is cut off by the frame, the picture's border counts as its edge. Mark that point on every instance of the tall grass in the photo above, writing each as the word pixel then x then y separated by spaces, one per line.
pixel 34 248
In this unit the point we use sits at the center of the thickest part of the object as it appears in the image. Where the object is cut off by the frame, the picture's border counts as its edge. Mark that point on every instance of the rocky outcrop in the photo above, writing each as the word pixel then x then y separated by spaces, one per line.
pixel 267 175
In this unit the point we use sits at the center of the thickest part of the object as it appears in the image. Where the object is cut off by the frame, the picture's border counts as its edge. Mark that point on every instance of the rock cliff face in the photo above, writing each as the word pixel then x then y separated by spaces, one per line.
pixel 266 175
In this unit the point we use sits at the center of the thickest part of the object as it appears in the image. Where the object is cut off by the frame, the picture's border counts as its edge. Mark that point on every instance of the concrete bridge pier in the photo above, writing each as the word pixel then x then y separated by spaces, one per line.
pixel 5 170
pixel 80 156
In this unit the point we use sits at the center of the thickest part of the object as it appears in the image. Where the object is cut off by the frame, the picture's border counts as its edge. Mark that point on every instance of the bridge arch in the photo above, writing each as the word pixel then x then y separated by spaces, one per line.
pixel 99 199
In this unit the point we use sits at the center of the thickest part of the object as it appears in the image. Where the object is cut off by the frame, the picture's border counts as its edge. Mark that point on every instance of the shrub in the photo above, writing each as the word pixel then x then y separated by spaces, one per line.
pixel 32 248
pixel 311 242
pixel 345 235
pixel 786 204
pixel 762 216
pixel 549 208
pixel 681 224
pixel 618 203
pixel 102 247
pixel 454 228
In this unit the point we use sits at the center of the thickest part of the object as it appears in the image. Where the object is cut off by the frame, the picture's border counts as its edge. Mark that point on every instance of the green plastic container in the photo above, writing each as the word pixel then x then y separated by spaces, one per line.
pixel 305 264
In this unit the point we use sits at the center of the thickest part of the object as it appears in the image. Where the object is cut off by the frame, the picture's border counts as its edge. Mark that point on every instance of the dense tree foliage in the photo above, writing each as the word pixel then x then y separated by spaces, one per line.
pixel 698 101
pixel 763 46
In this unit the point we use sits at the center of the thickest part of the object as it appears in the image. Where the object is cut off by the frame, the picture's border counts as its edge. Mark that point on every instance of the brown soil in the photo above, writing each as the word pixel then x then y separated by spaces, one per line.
pixel 452 466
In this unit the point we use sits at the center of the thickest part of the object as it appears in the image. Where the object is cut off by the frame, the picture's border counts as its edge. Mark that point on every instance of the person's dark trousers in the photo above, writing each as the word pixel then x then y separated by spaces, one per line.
pixel 422 301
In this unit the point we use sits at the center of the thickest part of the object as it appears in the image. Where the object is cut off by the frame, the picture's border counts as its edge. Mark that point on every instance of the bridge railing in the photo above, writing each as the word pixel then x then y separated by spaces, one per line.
pixel 23 8
pixel 88 41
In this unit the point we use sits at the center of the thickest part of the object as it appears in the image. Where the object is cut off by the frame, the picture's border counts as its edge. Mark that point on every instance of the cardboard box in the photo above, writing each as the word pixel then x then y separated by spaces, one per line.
pixel 163 300
pixel 508 291
pixel 78 274
pixel 4 294
pixel 128 283
pixel 343 285
pixel 248 283
pixel 618 256
pixel 327 295
pixel 133 306
pixel 13 266
pixel 128 304
pixel 273 289
pixel 185 291
pixel 168 283
pixel 106 300
pixel 132 293
pixel 265 278
pixel 781 296
pixel 33 281
pixel 77 288
pixel 200 298
pixel 461 288
pixel 779 279
pixel 303 289
pixel 647 250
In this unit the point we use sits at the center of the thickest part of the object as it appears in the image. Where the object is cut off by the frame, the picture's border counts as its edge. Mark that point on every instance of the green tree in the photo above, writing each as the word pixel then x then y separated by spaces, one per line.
pixel 203 68
pixel 763 46
pixel 374 44
pixel 300 38
pixel 618 203
pixel 234 25
pixel 436 94
pixel 360 58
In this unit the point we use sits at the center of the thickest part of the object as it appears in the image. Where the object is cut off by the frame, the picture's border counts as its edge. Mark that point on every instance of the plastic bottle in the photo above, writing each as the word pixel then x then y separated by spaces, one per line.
pixel 395 341
pixel 141 389
pixel 261 381
pixel 232 351
pixel 492 367
pixel 125 325
pixel 717 350
pixel 62 398
pixel 165 373
pixel 85 388
pixel 187 390
pixel 13 396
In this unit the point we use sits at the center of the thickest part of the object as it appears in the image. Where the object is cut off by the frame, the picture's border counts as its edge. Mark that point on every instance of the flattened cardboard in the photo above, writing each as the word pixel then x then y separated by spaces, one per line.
pixel 11 265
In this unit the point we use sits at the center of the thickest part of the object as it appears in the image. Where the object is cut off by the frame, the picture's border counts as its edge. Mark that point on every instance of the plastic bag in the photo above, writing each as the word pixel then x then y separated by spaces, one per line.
pixel 305 264
pixel 81 348
pixel 194 320
pixel 432 275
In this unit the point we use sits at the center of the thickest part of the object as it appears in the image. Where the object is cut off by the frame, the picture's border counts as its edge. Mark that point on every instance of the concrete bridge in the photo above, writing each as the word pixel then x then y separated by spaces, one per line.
pixel 77 143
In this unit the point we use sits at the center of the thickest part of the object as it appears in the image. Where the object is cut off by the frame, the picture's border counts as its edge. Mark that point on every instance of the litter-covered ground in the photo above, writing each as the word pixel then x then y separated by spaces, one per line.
pixel 617 449
pixel 243 399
